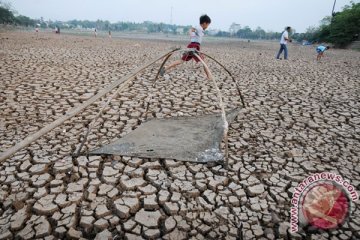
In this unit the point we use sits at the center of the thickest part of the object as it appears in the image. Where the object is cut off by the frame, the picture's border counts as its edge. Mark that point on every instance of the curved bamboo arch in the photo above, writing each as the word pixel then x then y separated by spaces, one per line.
pixel 193 50
pixel 196 53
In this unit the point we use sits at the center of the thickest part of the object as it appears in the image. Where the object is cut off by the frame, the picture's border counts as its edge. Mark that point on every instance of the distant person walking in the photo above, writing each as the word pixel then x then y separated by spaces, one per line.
pixel 109 34
pixel 320 51
pixel 57 30
pixel 283 43
pixel 95 33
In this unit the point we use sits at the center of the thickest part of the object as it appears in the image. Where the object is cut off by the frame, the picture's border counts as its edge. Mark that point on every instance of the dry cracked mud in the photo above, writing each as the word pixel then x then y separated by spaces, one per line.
pixel 302 117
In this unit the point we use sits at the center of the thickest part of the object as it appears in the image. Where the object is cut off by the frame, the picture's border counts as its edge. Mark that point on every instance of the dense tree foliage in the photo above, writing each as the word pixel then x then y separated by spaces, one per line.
pixel 340 30
pixel 6 16
pixel 25 21
pixel 344 27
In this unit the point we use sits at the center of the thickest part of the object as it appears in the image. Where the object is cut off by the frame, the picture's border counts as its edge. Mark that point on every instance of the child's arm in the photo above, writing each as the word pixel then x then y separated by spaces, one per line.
pixel 191 30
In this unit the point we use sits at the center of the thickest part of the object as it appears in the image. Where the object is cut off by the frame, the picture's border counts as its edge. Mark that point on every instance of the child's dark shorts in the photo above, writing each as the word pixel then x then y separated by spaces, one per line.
pixel 188 55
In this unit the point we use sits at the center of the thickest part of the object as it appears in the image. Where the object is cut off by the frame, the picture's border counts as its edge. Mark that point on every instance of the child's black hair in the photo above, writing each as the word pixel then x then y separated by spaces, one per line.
pixel 205 19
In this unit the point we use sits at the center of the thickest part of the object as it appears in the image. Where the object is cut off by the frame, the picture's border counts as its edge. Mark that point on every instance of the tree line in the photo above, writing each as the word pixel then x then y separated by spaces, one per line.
pixel 247 33
pixel 340 29
pixel 7 17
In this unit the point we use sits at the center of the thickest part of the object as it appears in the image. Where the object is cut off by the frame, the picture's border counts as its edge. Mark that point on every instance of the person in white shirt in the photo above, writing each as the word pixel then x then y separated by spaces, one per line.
pixel 283 43
pixel 196 36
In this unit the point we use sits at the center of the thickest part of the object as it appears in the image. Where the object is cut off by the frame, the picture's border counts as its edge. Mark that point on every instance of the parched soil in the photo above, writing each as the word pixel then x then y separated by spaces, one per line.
pixel 302 117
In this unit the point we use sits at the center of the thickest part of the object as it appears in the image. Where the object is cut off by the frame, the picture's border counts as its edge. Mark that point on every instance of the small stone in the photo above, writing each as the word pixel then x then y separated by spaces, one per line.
pixel 257 230
pixel 72 233
pixel 61 200
pixel 63 165
pixel 27 232
pixel 180 235
pixel 45 205
pixel 104 235
pixel 102 211
pixel 148 189
pixel 203 229
pixel 56 183
pixel 6 235
pixel 87 222
pixel 18 219
pixel 132 184
pixel 38 169
pixel 133 236
pixel 171 208
pixel 101 224
pixel 234 201
pixel 69 210
pixel 113 193
pixel 129 225
pixel 109 171
pixel 132 203
pixel 152 233
pixel 150 203
pixel 104 189
pixel 170 224
pixel 60 232
pixel 41 192
pixel 75 187
pixel 42 227
pixel 256 190
pixel 148 219
pixel 163 196
pixel 114 221
pixel 122 211
pixel 40 180
pixel 25 166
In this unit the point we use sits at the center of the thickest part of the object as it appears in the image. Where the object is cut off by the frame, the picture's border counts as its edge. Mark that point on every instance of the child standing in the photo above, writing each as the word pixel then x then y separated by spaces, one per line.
pixel 320 51
pixel 196 36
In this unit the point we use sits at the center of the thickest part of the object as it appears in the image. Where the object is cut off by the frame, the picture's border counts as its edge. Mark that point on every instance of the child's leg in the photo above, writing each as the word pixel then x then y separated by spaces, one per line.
pixel 319 56
pixel 174 64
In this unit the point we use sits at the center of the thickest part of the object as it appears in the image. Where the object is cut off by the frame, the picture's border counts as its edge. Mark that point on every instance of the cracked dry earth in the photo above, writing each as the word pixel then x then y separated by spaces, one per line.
pixel 302 117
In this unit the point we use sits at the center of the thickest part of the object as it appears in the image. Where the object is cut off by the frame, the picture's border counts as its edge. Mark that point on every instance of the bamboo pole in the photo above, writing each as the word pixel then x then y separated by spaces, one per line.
pixel 212 58
pixel 74 111
pixel 161 66
pixel 226 125
pixel 221 103
pixel 237 86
